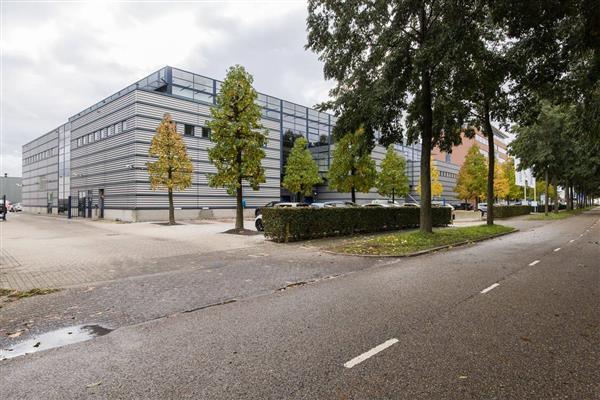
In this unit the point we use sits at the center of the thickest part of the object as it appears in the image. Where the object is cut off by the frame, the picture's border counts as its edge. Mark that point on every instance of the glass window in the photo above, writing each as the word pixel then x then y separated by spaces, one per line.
pixel 97 135
pixel 205 132
pixel 118 127
pixel 111 130
pixel 188 130
pixel 90 138
pixel 104 133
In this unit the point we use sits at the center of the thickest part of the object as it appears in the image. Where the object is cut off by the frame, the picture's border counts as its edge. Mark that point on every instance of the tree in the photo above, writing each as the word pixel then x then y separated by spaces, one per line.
pixel 471 182
pixel 173 168
pixel 352 168
pixel 436 187
pixel 514 191
pixel 239 138
pixel 546 145
pixel 301 170
pixel 501 184
pixel 392 179
pixel 396 64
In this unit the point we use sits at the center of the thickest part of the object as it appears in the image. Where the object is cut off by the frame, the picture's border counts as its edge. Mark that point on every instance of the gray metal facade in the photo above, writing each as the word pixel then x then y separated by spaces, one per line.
pixel 104 149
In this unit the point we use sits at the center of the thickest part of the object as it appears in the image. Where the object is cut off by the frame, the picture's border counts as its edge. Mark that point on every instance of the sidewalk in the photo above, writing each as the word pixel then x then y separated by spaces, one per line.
pixel 40 251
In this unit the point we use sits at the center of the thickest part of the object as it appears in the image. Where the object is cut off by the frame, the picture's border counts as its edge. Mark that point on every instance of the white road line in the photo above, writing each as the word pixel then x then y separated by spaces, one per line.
pixel 487 289
pixel 370 353
pixel 556 249
pixel 571 241
pixel 531 264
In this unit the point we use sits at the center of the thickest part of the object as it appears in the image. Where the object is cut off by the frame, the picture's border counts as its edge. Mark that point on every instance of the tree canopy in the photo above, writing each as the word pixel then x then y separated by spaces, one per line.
pixel 239 138
pixel 352 168
pixel 301 170
pixel 397 71
pixel 172 169
pixel 471 182
pixel 392 180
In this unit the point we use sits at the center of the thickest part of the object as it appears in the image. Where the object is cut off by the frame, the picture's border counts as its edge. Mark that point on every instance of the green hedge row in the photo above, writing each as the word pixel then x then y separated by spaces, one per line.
pixel 510 211
pixel 291 224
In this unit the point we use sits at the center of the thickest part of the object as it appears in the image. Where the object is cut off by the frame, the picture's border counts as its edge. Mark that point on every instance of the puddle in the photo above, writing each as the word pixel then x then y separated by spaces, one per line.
pixel 57 338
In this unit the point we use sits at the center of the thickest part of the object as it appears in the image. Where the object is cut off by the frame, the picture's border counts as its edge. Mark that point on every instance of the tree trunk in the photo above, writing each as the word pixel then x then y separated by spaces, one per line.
pixel 491 162
pixel 546 194
pixel 171 208
pixel 555 194
pixel 353 190
pixel 425 221
pixel 393 192
pixel 239 209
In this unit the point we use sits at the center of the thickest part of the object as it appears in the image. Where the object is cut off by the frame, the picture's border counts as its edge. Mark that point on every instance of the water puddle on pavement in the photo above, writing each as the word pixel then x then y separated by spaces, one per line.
pixel 52 339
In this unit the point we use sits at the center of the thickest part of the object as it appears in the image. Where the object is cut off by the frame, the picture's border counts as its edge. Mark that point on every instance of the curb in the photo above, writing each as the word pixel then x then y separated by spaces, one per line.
pixel 423 252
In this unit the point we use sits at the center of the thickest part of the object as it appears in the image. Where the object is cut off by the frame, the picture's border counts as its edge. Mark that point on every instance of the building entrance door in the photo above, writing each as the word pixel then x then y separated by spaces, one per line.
pixel 81 202
pixel 101 202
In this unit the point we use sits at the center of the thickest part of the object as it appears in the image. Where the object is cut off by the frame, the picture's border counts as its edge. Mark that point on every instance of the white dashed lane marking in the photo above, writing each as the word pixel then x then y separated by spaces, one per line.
pixel 531 264
pixel 487 289
pixel 557 249
pixel 370 353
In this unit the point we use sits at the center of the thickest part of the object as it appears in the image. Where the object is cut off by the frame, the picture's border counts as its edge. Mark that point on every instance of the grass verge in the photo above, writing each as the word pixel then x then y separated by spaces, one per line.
pixel 21 294
pixel 405 243
pixel 559 215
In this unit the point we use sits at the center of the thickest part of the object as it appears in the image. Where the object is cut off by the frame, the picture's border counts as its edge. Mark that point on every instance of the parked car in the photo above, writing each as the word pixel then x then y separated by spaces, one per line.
pixel 482 207
pixel 414 205
pixel 463 206
pixel 441 204
pixel 373 205
pixel 386 203
pixel 16 207
pixel 258 222
pixel 269 204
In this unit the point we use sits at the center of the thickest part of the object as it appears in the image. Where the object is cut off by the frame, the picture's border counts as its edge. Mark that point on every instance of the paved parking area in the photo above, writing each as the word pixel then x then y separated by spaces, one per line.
pixel 45 251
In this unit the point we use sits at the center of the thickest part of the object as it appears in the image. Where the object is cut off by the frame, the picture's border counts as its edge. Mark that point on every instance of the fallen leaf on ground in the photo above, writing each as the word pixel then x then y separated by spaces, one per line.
pixel 15 334
pixel 91 385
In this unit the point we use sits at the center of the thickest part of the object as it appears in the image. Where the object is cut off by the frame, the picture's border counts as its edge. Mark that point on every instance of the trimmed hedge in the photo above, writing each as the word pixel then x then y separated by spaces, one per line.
pixel 291 224
pixel 510 211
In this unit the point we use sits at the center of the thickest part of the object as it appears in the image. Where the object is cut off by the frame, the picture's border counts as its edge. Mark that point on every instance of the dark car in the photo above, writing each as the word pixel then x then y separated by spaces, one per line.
pixel 258 211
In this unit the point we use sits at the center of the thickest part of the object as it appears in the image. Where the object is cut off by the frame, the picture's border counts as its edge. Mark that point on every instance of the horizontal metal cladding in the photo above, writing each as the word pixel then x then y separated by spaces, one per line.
pixel 143 186
pixel 105 120
pixel 150 122
pixel 103 146
pixel 109 108
pixel 160 200
pixel 41 167
pixel 120 153
pixel 103 177
pixel 51 136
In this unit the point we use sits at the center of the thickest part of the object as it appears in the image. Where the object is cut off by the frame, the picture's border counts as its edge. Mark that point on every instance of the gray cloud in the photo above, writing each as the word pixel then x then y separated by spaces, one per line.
pixel 59 59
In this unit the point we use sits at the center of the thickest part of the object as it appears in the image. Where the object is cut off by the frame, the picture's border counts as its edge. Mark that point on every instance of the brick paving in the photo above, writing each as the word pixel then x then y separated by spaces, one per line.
pixel 43 251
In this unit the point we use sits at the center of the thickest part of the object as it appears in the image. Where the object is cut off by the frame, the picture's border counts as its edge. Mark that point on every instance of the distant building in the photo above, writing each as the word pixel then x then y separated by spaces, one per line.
pixel 11 186
pixel 449 163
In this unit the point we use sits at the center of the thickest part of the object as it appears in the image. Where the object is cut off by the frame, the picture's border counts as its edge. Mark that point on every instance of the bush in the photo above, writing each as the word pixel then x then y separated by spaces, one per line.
pixel 510 211
pixel 291 224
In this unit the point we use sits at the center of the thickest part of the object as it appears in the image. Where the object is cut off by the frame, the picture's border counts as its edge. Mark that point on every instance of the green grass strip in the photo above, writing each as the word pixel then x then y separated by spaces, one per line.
pixel 559 215
pixel 403 243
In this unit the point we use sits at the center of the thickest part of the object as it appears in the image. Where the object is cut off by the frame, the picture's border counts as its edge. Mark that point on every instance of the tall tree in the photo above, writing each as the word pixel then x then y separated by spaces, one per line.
pixel 239 138
pixel 487 67
pixel 392 179
pixel 545 146
pixel 301 170
pixel 352 168
pixel 172 169
pixel 471 182
pixel 396 63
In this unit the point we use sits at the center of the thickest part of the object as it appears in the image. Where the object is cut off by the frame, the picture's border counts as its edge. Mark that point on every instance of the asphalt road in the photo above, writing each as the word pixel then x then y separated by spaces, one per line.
pixel 484 321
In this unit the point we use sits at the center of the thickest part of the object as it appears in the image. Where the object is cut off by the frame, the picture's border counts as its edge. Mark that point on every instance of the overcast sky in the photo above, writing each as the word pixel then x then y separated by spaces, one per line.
pixel 60 58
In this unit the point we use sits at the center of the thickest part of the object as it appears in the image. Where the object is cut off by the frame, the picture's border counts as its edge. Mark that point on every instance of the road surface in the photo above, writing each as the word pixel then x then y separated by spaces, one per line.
pixel 516 317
